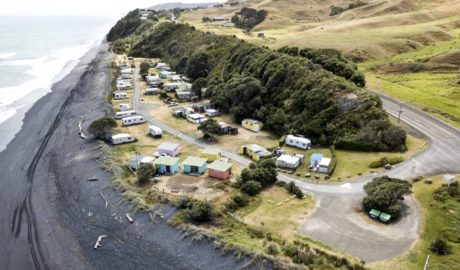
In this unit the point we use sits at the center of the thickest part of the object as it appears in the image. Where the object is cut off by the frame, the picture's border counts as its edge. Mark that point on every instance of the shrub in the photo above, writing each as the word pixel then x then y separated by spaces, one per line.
pixel 385 160
pixel 295 190
pixel 201 211
pixel 272 249
pixel 252 188
pixel 231 206
pixel 240 199
pixel 145 172
pixel 102 128
pixel 440 247
pixel 183 203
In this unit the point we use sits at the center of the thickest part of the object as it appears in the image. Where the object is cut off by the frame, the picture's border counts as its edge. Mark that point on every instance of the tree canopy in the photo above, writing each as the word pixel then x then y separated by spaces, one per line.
pixel 102 128
pixel 209 127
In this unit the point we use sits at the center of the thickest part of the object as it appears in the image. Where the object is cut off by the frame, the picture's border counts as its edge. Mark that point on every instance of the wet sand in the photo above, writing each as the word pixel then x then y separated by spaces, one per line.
pixel 51 215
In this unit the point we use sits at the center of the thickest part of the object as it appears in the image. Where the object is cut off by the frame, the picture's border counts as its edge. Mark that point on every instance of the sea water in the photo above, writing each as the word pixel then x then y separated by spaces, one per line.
pixel 36 52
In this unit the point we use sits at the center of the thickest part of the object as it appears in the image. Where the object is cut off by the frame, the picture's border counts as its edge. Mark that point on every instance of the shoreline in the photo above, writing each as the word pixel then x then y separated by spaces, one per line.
pixel 52 215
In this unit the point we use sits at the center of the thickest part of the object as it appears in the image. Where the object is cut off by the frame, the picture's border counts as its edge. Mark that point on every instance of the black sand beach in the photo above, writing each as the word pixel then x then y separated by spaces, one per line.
pixel 51 215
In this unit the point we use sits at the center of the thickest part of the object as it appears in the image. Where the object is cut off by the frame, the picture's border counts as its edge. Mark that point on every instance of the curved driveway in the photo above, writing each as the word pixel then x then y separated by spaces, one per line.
pixel 337 221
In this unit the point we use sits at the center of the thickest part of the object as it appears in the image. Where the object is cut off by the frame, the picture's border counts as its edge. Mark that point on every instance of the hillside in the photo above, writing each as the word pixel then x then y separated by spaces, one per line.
pixel 285 90
pixel 407 49
pixel 181 5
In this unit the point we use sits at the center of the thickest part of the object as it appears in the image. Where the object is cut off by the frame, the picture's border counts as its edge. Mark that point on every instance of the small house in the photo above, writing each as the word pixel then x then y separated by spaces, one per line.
pixel 297 141
pixel 133 120
pixel 120 95
pixel 169 87
pixel 212 112
pixel 210 154
pixel 201 107
pixel 152 91
pixel 121 138
pixel 140 159
pixel 196 118
pixel 185 95
pixel 288 161
pixel 169 149
pixel 227 129
pixel 255 151
pixel 155 131
pixel 323 165
pixel 194 165
pixel 252 124
pixel 220 169
pixel 384 217
pixel 315 159
pixel 167 165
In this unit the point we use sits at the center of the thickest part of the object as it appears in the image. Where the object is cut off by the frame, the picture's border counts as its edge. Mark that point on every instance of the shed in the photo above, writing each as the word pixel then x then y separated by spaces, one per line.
pixel 252 124
pixel 315 159
pixel 210 153
pixel 220 169
pixel 194 165
pixel 255 151
pixel 169 149
pixel 288 161
pixel 167 165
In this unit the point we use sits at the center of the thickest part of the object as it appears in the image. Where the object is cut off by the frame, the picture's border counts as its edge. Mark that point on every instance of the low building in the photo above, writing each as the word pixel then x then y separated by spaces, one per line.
pixel 120 95
pixel 315 159
pixel 289 162
pixel 163 66
pixel 210 154
pixel 220 169
pixel 299 142
pixel 169 87
pixel 167 165
pixel 140 159
pixel 323 165
pixel 252 124
pixel 152 91
pixel 166 74
pixel 374 213
pixel 194 165
pixel 202 107
pixel 184 91
pixel 152 80
pixel 227 129
pixel 255 151
pixel 169 149
pixel 196 118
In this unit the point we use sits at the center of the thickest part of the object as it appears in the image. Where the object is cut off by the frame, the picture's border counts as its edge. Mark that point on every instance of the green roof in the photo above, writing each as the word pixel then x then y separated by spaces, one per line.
pixel 220 166
pixel 195 161
pixel 374 212
pixel 385 217
pixel 168 161
pixel 185 86
pixel 210 151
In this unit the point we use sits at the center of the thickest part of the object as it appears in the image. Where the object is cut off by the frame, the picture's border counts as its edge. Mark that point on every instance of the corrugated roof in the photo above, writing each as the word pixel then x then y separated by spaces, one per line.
pixel 168 146
pixel 168 161
pixel 195 161
pixel 211 151
pixel 220 166
pixel 374 212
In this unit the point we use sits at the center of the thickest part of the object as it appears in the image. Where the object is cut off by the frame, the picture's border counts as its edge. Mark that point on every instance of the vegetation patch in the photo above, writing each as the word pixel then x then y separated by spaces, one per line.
pixel 384 161
pixel 248 18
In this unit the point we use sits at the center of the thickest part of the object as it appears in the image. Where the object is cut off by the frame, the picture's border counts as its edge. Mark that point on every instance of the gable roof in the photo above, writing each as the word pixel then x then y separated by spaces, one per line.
pixel 211 151
pixel 195 161
pixel 220 166
pixel 168 161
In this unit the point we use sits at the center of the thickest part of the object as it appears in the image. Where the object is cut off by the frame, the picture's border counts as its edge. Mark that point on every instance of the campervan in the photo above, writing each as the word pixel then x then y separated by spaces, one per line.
pixel 133 120
pixel 124 114
pixel 122 138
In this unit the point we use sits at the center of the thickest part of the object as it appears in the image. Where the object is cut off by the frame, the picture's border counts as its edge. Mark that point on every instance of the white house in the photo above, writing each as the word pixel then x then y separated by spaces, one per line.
pixel 120 95
pixel 196 118
pixel 299 142
pixel 288 161
pixel 123 114
pixel 323 165
pixel 122 138
pixel 155 131
pixel 124 107
pixel 133 120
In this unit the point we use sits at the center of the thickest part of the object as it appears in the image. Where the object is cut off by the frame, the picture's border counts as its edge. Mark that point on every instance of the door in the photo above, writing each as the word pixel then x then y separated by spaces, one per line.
pixel 193 169
pixel 168 169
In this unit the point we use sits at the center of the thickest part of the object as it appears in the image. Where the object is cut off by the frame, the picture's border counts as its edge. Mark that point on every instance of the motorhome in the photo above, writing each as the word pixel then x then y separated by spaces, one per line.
pixel 155 131
pixel 120 95
pixel 122 138
pixel 196 118
pixel 133 120
pixel 124 114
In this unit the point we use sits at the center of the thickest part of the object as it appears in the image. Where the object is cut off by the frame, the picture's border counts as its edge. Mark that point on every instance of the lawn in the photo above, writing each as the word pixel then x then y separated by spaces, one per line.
pixel 438 219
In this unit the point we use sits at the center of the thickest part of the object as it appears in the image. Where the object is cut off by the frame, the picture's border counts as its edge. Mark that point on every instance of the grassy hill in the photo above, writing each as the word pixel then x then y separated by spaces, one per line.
pixel 407 48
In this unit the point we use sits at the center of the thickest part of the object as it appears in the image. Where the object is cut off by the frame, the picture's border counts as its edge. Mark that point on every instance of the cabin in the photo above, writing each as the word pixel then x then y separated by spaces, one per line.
pixel 194 165
pixel 152 91
pixel 289 162
pixel 124 114
pixel 155 131
pixel 169 149
pixel 169 87
pixel 133 120
pixel 124 107
pixel 140 159
pixel 210 154
pixel 195 118
pixel 120 95
pixel 255 151
pixel 252 124
pixel 299 142
pixel 220 170
pixel 184 95
pixel 167 165
pixel 183 112
pixel 201 108
pixel 227 129
pixel 121 138
pixel 212 112
pixel 323 166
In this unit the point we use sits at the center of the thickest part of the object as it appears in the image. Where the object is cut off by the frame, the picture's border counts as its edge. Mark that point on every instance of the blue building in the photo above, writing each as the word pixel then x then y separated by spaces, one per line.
pixel 167 165
pixel 195 165
pixel 315 159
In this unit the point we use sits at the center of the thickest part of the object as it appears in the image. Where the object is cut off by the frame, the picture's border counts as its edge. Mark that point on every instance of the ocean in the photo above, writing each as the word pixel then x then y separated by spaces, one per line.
pixel 36 52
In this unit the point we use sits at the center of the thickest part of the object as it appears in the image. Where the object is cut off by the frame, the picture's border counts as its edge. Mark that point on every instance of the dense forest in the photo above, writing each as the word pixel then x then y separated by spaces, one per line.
pixel 289 93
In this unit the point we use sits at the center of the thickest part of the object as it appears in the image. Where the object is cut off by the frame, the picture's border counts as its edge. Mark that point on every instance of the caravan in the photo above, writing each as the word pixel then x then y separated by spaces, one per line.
pixel 155 131
pixel 122 138
pixel 120 95
pixel 195 118
pixel 299 142
pixel 124 114
pixel 133 120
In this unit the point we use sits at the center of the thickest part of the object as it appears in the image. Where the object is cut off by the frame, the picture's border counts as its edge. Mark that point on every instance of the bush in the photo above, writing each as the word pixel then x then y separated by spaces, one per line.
pixel 440 247
pixel 272 249
pixel 385 160
pixel 295 190
pixel 240 200
pixel 183 203
pixel 145 172
pixel 201 211
pixel 102 128
pixel 252 188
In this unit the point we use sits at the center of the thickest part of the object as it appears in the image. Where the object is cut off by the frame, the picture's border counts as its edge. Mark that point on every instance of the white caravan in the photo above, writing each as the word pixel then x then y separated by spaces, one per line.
pixel 124 107
pixel 196 118
pixel 155 131
pixel 299 142
pixel 133 120
pixel 122 138
pixel 124 114
pixel 120 95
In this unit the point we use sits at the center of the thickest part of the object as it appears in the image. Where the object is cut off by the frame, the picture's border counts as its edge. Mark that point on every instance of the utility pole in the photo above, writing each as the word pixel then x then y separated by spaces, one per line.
pixel 400 111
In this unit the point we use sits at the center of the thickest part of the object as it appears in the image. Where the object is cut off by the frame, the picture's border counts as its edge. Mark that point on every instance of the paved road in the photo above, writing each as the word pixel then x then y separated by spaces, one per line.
pixel 336 220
